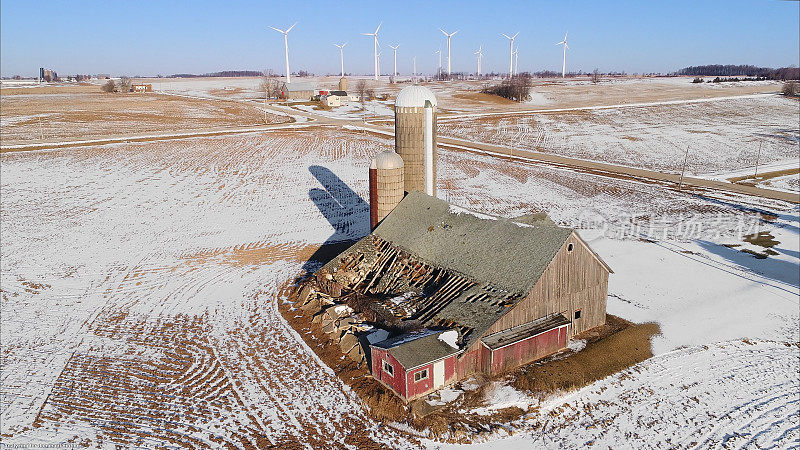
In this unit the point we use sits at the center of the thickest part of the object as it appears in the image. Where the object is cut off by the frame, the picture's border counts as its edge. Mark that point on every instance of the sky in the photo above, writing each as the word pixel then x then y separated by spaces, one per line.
pixel 165 37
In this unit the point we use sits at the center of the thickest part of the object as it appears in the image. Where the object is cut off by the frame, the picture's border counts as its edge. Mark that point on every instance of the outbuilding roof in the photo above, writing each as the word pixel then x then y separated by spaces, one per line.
pixel 488 249
pixel 418 348
pixel 524 331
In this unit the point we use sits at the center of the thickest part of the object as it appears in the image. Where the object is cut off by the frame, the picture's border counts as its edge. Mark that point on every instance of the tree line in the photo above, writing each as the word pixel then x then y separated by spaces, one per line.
pixel 728 70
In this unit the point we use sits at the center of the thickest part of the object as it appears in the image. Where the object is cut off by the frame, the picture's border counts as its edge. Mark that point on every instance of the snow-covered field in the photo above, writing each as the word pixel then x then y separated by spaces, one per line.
pixel 140 284
pixel 721 135
pixel 140 280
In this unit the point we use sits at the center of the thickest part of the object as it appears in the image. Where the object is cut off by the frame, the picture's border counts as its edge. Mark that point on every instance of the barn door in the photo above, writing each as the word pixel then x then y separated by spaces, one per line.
pixel 438 374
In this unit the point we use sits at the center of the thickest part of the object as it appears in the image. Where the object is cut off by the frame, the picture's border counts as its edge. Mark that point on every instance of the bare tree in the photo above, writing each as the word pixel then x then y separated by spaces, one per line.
pixel 790 89
pixel 361 88
pixel 517 88
pixel 125 84
pixel 596 76
pixel 110 86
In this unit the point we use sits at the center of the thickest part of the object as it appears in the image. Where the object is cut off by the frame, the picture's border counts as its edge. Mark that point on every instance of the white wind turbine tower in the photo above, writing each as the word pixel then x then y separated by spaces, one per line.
pixel 480 57
pixel 516 61
pixel 564 63
pixel 375 38
pixel 394 48
pixel 448 48
pixel 286 47
pixel 511 55
pixel 414 60
pixel 341 55
pixel 379 61
pixel 439 72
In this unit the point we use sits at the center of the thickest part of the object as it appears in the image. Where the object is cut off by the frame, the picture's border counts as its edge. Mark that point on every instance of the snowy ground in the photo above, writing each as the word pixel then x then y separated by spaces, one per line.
pixel 721 135
pixel 139 292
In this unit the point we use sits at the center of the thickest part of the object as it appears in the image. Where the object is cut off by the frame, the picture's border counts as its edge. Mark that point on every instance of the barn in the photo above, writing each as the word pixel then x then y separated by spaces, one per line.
pixel 509 291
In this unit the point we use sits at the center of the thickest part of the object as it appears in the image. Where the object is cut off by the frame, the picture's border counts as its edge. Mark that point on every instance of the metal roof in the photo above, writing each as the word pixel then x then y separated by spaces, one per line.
pixel 414 96
pixel 524 331
pixel 418 348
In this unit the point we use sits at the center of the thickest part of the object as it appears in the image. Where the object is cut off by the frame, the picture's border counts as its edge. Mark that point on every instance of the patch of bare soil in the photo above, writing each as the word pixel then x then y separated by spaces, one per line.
pixel 484 98
pixel 615 346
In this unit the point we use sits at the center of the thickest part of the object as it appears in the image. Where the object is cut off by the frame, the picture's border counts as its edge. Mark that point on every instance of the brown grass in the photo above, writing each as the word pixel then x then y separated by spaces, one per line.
pixel 611 348
pixel 81 116
pixel 484 98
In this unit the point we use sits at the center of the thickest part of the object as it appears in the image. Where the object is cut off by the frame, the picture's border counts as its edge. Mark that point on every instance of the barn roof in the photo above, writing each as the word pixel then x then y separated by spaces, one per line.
pixel 488 249
pixel 418 348
pixel 524 331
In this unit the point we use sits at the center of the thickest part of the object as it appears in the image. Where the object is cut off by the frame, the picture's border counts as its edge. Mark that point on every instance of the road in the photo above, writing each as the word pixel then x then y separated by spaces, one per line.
pixel 307 119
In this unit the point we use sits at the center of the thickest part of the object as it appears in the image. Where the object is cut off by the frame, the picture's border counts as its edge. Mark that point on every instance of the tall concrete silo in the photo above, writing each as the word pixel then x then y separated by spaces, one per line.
pixel 415 137
pixel 386 175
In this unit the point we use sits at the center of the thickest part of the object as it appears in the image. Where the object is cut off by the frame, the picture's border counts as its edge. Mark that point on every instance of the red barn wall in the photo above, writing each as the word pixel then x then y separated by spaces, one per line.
pixel 536 347
pixel 421 387
pixel 398 382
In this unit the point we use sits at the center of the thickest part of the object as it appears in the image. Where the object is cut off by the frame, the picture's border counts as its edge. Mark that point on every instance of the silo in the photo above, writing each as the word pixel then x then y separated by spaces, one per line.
pixel 343 84
pixel 385 185
pixel 415 137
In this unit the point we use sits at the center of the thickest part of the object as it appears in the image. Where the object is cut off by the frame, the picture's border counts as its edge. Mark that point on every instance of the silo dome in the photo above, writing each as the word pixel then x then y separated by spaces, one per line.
pixel 387 160
pixel 414 96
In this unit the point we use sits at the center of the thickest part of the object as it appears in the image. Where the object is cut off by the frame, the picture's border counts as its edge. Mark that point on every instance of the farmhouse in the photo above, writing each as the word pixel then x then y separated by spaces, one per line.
pixel 508 292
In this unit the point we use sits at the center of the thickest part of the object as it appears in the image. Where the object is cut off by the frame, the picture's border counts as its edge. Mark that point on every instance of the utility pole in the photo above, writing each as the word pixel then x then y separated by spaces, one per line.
pixel 758 157
pixel 683 171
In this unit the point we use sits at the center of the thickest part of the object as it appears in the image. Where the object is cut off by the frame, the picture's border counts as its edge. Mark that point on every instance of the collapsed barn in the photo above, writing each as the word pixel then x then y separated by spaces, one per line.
pixel 509 292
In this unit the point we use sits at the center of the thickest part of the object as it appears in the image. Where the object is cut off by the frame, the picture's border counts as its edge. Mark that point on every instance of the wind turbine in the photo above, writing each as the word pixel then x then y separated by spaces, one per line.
pixel 379 61
pixel 516 61
pixel 341 55
pixel 448 48
pixel 414 59
pixel 439 72
pixel 564 63
pixel 480 57
pixel 375 38
pixel 511 56
pixel 394 48
pixel 286 47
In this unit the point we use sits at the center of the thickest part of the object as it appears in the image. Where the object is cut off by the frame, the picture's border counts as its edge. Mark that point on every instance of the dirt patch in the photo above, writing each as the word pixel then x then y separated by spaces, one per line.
pixel 615 346
pixel 484 98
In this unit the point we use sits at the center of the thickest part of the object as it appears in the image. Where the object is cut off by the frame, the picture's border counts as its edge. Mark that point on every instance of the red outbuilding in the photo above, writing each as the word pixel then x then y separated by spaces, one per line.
pixel 415 364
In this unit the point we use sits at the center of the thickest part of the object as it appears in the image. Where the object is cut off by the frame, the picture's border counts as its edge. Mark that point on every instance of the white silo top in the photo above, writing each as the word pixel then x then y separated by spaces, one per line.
pixel 415 95
pixel 386 160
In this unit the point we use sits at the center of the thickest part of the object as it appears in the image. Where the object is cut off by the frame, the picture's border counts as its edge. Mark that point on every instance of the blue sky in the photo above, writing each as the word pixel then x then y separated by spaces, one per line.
pixel 149 38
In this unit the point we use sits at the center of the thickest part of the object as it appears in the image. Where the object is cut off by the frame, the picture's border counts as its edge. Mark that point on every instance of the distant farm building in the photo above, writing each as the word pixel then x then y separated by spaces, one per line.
pixel 298 91
pixel 47 75
pixel 334 98
pixel 141 88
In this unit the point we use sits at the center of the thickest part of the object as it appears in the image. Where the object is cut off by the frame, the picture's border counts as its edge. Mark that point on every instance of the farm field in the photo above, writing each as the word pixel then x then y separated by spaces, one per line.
pixel 68 113
pixel 722 135
pixel 140 295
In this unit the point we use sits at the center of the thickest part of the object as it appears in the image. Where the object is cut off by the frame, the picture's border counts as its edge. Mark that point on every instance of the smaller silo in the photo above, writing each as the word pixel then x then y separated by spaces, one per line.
pixel 386 185
pixel 343 84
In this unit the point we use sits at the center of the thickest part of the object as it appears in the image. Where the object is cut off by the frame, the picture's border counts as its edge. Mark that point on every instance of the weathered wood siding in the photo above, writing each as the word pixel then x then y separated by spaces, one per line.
pixel 527 350
pixel 574 280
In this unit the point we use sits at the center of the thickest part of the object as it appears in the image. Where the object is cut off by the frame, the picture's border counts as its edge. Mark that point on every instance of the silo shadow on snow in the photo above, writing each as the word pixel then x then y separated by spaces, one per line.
pixel 343 208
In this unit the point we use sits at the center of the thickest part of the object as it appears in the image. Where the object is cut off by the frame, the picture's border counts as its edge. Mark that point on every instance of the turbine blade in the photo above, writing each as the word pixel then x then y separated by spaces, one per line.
pixel 507 36
pixel 515 36
pixel 379 27
pixel 565 45
pixel 454 32
pixel 279 31
pixel 290 28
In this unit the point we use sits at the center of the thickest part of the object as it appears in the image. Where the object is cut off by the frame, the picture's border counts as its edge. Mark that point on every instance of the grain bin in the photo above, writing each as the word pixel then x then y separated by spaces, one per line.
pixel 343 84
pixel 385 185
pixel 415 137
